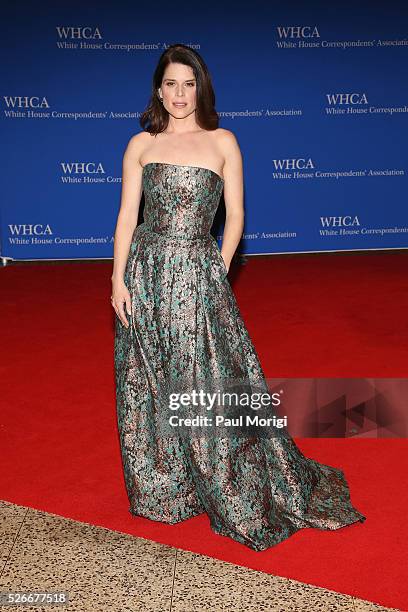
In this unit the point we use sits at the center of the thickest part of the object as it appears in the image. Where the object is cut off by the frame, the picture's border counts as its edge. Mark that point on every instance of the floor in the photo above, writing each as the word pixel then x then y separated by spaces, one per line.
pixel 105 570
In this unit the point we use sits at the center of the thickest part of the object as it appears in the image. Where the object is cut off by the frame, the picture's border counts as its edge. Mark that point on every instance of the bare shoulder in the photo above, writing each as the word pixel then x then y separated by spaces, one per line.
pixel 229 148
pixel 136 145
pixel 227 142
pixel 225 136
pixel 224 133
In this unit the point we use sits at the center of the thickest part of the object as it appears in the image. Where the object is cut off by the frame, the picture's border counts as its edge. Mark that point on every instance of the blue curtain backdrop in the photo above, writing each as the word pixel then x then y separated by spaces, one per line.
pixel 315 92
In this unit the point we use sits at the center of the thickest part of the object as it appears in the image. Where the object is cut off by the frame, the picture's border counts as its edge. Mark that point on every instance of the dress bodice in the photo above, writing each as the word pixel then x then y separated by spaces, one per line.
pixel 180 201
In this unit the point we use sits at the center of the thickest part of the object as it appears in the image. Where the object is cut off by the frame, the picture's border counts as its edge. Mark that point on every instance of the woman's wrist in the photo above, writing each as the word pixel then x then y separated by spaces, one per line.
pixel 117 278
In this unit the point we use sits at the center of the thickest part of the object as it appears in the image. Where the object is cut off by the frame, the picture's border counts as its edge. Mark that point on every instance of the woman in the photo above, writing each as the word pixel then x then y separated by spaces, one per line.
pixel 178 320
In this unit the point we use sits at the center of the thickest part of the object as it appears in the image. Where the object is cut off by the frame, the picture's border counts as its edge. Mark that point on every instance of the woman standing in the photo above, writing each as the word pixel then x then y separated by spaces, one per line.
pixel 178 320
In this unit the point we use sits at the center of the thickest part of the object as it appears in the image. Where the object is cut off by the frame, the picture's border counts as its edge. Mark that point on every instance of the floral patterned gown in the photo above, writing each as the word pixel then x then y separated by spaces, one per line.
pixel 185 322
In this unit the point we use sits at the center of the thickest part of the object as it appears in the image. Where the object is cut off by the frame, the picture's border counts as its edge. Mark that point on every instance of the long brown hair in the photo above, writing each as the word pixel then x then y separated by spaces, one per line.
pixel 155 118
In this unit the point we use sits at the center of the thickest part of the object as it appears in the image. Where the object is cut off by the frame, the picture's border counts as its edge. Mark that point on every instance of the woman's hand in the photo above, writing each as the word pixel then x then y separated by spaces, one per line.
pixel 121 296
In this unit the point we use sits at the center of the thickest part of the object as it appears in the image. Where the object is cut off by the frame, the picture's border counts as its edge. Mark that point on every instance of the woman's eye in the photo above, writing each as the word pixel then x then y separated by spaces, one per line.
pixel 189 84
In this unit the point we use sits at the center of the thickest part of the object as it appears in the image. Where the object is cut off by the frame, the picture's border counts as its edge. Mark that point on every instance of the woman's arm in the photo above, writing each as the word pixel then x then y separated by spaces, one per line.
pixel 129 206
pixel 233 196
pixel 126 222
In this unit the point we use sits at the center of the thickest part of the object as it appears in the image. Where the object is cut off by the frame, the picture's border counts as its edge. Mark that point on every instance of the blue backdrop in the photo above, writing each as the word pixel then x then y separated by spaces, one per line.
pixel 316 94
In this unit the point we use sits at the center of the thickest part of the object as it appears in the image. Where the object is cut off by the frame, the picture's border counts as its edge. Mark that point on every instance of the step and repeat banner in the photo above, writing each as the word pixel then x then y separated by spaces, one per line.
pixel 315 93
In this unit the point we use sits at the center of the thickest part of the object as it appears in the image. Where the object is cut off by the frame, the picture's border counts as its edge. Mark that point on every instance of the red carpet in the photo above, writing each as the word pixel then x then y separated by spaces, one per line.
pixel 328 315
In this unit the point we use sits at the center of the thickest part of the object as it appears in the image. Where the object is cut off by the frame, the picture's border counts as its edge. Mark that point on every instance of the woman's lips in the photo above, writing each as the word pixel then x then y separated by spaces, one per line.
pixel 179 104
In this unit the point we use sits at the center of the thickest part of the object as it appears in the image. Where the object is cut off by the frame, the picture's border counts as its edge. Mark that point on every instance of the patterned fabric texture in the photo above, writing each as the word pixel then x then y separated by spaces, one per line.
pixel 185 323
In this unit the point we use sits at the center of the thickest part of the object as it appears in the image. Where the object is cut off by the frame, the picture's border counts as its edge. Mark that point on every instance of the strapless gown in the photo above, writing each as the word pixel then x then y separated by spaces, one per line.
pixel 185 321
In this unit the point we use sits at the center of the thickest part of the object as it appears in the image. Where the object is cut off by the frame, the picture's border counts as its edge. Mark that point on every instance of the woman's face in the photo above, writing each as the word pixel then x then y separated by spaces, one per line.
pixel 178 90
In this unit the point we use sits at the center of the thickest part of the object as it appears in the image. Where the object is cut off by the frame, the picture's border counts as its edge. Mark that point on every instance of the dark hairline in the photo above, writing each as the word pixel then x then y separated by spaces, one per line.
pixel 186 81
